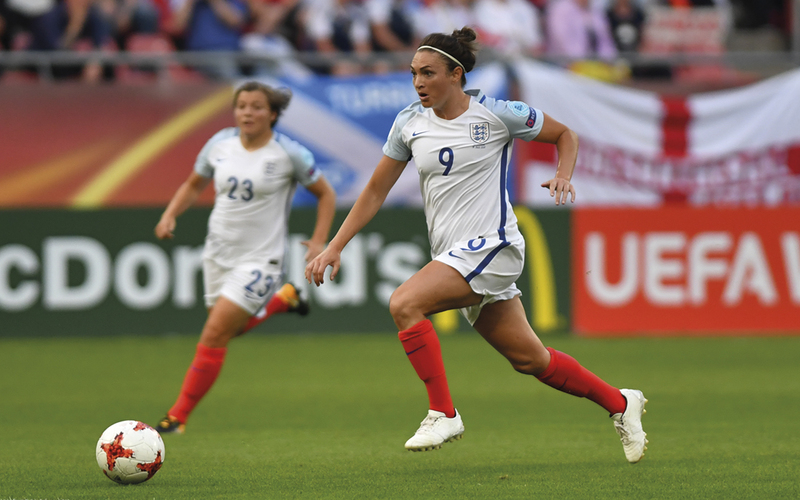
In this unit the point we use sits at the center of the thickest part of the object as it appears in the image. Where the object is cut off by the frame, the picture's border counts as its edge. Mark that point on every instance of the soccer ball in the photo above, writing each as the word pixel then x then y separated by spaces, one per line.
pixel 130 452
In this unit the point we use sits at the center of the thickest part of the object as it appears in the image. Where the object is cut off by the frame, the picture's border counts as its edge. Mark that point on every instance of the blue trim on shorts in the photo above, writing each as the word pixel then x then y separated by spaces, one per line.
pixel 503 216
pixel 485 261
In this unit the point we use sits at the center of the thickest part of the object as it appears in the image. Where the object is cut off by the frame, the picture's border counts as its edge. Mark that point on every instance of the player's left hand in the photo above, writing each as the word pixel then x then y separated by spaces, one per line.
pixel 560 188
pixel 314 248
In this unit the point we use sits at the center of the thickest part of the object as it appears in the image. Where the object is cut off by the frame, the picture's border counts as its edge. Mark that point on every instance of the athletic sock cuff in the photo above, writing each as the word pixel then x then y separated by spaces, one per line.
pixel 552 367
pixel 420 328
pixel 212 353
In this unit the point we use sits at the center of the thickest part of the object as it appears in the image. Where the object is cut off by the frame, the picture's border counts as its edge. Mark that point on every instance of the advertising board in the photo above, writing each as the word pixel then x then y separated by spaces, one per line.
pixel 103 272
pixel 686 271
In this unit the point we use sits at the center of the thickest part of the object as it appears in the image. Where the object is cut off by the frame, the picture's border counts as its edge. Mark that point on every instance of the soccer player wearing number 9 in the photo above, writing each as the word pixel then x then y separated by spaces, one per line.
pixel 461 143
pixel 255 172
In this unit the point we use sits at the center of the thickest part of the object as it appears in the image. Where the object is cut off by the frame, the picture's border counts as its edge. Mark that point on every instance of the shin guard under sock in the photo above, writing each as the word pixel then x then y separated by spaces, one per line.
pixel 199 378
pixel 567 375
pixel 425 354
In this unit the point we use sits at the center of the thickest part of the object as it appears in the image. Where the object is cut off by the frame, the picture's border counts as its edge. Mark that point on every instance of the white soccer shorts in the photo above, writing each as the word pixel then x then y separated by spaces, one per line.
pixel 491 266
pixel 249 285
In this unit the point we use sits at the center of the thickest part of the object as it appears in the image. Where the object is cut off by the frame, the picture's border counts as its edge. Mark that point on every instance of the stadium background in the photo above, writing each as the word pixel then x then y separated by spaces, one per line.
pixel 686 220
pixel 677 272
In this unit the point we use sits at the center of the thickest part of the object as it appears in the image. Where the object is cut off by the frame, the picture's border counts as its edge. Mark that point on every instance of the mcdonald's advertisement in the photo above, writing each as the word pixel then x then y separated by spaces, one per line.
pixel 103 272
pixel 592 271
pixel 686 271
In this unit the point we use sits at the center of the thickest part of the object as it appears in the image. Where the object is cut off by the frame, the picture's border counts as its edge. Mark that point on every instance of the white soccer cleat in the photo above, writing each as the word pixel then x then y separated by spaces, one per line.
pixel 436 430
pixel 629 425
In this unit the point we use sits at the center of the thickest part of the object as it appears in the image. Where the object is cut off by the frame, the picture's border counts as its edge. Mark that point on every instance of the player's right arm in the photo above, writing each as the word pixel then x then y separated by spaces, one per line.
pixel 184 198
pixel 190 190
pixel 366 206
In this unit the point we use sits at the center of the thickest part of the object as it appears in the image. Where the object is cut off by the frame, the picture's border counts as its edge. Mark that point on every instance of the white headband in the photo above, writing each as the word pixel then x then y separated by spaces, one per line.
pixel 443 53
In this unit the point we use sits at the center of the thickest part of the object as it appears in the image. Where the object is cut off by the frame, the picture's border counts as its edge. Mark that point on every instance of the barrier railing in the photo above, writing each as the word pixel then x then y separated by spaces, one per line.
pixel 763 63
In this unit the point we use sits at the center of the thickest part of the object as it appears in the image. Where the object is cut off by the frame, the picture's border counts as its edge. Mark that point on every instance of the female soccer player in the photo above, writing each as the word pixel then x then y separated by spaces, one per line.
pixel 461 142
pixel 255 172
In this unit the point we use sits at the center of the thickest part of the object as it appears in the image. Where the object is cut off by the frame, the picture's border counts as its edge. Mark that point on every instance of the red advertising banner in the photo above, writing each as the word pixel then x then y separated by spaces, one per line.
pixel 686 271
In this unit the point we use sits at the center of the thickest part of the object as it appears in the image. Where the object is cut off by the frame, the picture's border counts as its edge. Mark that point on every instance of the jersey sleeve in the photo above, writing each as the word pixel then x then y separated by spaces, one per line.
pixel 395 147
pixel 201 165
pixel 302 160
pixel 523 121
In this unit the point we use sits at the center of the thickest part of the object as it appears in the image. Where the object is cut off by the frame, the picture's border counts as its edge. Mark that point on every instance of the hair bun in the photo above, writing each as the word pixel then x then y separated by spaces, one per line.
pixel 465 35
pixel 460 46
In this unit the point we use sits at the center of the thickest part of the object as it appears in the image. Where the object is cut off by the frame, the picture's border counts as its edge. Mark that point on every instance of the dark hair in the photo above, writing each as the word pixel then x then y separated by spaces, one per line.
pixel 460 44
pixel 278 99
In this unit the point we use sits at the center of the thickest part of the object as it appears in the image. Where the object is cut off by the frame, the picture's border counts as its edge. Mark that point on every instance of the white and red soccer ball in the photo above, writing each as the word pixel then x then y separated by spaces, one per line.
pixel 130 452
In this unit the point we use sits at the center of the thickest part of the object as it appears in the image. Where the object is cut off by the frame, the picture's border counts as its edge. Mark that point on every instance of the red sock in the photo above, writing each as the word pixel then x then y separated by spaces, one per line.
pixel 199 379
pixel 276 305
pixel 423 350
pixel 566 374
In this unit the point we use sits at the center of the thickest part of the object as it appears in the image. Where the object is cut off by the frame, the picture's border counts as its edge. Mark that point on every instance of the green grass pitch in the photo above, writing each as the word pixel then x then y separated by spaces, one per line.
pixel 326 416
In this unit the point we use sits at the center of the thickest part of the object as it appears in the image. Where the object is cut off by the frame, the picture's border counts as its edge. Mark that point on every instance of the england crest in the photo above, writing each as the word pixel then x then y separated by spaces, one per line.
pixel 479 132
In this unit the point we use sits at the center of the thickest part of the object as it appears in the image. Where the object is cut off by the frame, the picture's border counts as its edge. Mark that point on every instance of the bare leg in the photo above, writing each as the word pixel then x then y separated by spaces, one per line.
pixel 226 319
pixel 504 325
pixel 435 288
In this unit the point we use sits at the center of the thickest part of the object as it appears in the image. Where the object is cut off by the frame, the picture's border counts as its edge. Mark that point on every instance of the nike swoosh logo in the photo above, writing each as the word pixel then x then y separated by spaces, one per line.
pixel 415 350
pixel 418 133
pixel 454 255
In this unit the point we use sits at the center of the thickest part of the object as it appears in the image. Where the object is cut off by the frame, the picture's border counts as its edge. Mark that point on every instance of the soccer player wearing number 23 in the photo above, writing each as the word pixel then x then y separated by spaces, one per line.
pixel 461 143
pixel 255 172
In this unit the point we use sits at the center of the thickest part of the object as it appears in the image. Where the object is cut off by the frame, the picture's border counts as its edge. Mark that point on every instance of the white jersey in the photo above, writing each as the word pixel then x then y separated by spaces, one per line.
pixel 463 166
pixel 254 194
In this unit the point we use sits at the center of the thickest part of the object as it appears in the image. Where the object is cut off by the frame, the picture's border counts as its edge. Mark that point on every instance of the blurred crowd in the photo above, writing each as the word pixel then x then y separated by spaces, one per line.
pixel 352 31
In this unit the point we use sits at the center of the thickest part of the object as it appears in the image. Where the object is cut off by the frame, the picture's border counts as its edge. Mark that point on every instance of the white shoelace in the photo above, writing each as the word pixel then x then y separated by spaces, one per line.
pixel 429 422
pixel 623 431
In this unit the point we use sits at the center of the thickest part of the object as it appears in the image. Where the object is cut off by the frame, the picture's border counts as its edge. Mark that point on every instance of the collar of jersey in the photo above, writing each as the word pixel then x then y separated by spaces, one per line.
pixel 475 94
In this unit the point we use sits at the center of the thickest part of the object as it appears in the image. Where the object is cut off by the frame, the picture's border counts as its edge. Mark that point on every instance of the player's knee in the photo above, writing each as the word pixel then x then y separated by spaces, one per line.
pixel 401 306
pixel 216 335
